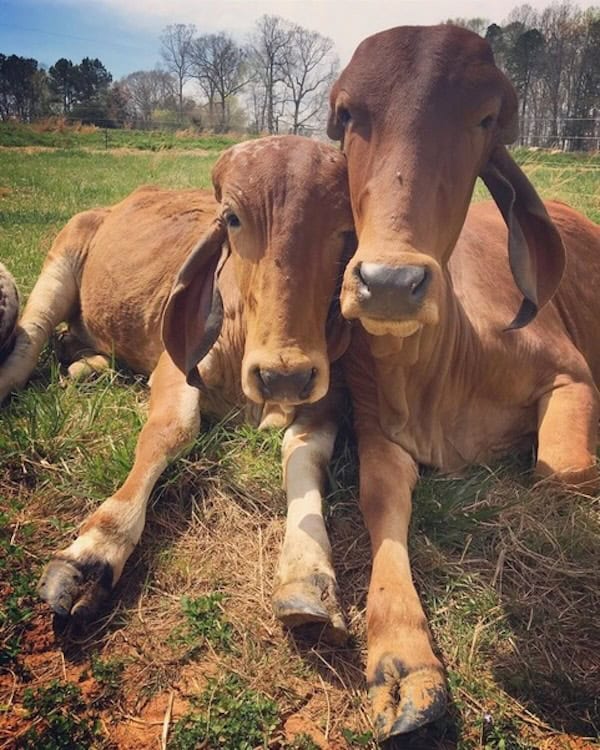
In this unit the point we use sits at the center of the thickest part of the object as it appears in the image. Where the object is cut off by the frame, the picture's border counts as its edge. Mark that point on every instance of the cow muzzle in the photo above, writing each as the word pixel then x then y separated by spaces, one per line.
pixel 391 292
pixel 285 380
pixel 390 297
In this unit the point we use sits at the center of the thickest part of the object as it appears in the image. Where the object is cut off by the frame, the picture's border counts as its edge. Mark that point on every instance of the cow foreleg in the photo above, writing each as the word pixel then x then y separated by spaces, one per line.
pixel 79 578
pixel 405 679
pixel 567 435
pixel 306 589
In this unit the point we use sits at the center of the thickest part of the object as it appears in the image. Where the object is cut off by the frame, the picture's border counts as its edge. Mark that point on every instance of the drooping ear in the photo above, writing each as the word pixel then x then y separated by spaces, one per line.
pixel 339 329
pixel 535 249
pixel 194 311
pixel 335 129
pixel 220 169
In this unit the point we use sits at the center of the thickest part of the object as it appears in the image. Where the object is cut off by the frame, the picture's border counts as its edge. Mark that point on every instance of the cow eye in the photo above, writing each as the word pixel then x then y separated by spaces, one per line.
pixel 487 122
pixel 344 116
pixel 233 221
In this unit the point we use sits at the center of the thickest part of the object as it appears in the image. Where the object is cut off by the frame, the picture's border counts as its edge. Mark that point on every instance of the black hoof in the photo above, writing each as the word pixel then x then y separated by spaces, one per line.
pixel 75 589
pixel 311 601
pixel 404 700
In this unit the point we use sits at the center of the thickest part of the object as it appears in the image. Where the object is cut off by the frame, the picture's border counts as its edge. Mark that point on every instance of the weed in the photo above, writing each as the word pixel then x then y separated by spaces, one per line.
pixel 57 713
pixel 357 739
pixel 108 673
pixel 302 742
pixel 17 589
pixel 205 623
pixel 231 716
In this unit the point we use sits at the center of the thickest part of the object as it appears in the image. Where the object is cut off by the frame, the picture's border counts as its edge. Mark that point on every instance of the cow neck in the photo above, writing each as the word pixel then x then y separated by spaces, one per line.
pixel 436 364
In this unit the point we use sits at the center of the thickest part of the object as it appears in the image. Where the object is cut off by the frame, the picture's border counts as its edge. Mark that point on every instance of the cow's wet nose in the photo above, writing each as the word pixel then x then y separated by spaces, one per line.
pixel 391 291
pixel 293 386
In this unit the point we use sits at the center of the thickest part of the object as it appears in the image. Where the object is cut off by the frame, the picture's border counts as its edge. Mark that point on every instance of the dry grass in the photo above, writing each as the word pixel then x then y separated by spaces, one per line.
pixel 59 124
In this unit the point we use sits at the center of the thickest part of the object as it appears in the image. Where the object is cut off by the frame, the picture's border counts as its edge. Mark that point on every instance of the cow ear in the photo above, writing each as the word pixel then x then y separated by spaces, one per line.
pixel 535 249
pixel 338 328
pixel 335 129
pixel 219 171
pixel 339 331
pixel 194 311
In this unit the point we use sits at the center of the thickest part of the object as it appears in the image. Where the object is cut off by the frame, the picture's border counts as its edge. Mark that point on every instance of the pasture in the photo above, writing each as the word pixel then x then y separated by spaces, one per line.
pixel 188 648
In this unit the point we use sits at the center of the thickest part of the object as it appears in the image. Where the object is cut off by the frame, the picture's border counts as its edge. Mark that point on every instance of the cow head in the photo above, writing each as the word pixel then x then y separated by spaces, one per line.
pixel 286 221
pixel 421 112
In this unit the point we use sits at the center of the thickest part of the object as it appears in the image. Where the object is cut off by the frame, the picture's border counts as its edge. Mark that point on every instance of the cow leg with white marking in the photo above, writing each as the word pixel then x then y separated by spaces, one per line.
pixel 79 578
pixel 306 590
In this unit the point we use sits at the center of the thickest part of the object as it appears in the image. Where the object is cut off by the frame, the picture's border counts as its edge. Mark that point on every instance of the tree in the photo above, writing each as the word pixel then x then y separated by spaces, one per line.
pixel 22 87
pixel 92 79
pixel 117 104
pixel 525 60
pixel 63 82
pixel 220 66
pixel 176 51
pixel 309 67
pixel 478 25
pixel 270 46
pixel 149 90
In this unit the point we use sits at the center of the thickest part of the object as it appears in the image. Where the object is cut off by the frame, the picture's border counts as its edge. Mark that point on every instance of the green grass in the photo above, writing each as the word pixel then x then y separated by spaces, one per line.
pixel 40 192
pixel 18 135
pixel 230 715
pixel 570 177
pixel 507 573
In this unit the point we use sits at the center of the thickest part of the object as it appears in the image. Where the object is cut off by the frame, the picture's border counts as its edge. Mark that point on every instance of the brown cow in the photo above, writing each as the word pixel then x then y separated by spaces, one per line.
pixel 438 373
pixel 282 225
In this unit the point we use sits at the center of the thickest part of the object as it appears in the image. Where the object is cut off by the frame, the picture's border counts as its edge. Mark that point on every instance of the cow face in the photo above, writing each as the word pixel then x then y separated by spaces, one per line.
pixel 421 112
pixel 285 218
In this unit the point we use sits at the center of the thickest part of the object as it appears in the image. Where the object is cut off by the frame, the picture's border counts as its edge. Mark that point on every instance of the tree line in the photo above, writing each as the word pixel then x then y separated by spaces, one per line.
pixel 278 79
pixel 275 82
pixel 552 57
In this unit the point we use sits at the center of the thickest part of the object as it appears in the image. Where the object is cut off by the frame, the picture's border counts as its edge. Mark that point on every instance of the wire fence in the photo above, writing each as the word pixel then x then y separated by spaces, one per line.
pixel 567 134
pixel 562 133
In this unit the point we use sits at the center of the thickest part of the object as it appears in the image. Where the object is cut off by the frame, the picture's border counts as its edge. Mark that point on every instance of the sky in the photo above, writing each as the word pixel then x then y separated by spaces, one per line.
pixel 124 34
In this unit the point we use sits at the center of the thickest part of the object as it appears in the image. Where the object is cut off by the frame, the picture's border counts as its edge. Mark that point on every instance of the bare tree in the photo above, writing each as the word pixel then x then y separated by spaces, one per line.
pixel 270 45
pixel 149 90
pixel 176 51
pixel 220 66
pixel 310 66
pixel 478 25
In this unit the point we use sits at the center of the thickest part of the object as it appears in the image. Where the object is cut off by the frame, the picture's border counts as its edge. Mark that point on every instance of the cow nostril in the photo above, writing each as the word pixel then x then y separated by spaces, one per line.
pixel 358 274
pixel 290 386
pixel 418 286
pixel 310 381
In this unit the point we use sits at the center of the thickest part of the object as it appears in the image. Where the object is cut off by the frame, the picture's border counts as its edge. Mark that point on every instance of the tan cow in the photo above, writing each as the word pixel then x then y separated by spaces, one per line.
pixel 438 373
pixel 275 239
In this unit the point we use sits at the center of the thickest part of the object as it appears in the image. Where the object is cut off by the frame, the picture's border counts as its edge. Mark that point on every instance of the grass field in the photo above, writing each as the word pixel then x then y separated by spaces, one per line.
pixel 91 137
pixel 508 572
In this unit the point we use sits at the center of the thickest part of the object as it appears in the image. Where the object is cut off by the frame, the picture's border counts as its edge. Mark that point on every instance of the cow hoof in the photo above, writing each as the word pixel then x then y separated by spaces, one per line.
pixel 74 588
pixel 403 700
pixel 311 601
